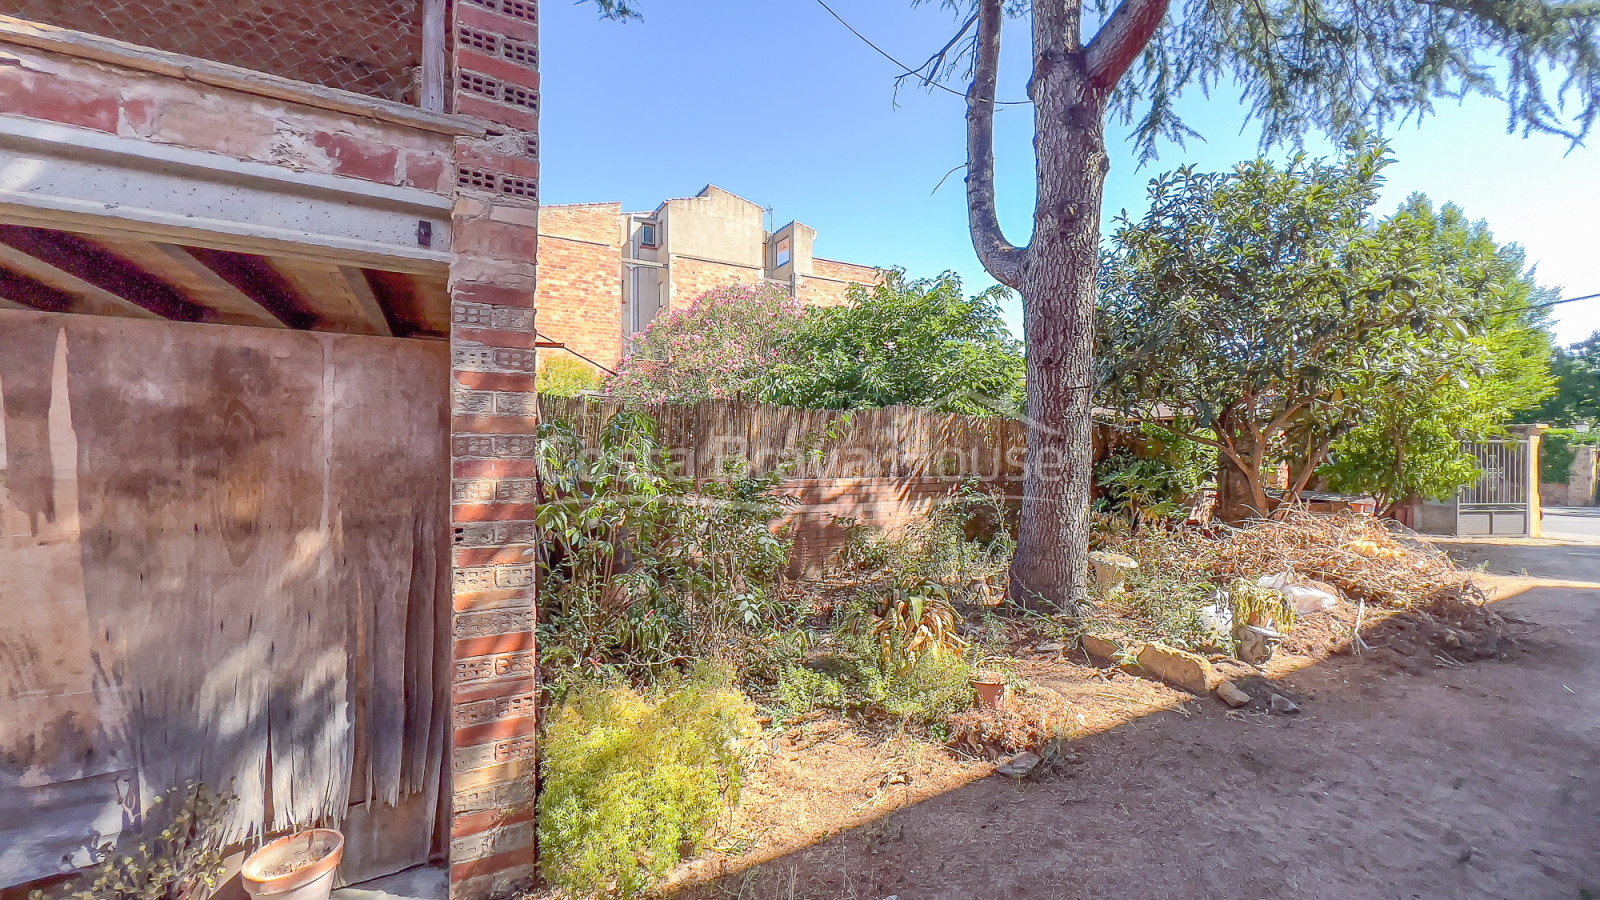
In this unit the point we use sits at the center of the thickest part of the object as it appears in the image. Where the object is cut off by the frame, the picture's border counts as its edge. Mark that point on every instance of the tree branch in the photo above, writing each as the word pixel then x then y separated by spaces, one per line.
pixel 1121 39
pixel 998 255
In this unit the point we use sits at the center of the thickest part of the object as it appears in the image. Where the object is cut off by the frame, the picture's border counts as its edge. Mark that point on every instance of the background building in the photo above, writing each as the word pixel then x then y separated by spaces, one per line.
pixel 605 273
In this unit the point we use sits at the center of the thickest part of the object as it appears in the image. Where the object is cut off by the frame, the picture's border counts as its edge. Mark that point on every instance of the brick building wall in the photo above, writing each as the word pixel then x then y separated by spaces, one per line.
pixel 830 282
pixel 580 280
pixel 693 277
pixel 494 415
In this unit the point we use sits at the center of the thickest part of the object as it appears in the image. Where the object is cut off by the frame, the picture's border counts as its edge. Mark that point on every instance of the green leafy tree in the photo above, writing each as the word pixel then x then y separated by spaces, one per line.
pixel 1267 306
pixel 1410 443
pixel 1297 65
pixel 1577 395
pixel 913 342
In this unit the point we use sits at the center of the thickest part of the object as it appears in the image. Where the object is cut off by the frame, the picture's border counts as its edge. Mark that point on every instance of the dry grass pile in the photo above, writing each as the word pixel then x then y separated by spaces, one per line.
pixel 1360 556
pixel 1032 718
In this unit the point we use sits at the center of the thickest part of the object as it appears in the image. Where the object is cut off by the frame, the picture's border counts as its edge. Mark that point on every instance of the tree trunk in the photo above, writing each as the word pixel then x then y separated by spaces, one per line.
pixel 1240 493
pixel 1056 272
pixel 1059 291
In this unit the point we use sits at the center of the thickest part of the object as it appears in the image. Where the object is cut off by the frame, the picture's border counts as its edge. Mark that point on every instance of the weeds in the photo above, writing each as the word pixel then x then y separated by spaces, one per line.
pixel 848 677
pixel 634 782
pixel 643 570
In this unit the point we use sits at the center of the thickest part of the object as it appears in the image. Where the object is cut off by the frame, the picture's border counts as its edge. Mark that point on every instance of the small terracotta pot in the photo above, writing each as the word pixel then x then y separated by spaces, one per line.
pixel 297 867
pixel 991 691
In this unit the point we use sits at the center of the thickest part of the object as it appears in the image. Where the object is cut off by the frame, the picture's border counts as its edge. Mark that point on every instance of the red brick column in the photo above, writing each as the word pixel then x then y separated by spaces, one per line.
pixel 493 419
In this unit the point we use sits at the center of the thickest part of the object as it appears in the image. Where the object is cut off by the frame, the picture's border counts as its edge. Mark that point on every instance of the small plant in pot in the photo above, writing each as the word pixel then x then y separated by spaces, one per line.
pixel 177 854
pixel 991 688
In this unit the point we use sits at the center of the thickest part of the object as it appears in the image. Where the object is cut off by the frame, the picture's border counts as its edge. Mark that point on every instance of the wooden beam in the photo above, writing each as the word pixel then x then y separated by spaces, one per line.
pixel 84 297
pixel 29 294
pixel 254 277
pixel 367 301
pixel 87 263
pixel 225 304
pixel 435 55
pixel 332 296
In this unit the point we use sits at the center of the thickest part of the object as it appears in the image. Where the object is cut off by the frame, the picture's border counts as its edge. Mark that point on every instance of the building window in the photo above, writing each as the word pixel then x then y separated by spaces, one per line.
pixel 647 235
pixel 783 253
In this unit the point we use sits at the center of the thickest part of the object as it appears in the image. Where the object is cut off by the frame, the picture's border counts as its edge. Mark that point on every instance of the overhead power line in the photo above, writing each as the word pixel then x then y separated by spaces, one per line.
pixel 907 69
pixel 1552 303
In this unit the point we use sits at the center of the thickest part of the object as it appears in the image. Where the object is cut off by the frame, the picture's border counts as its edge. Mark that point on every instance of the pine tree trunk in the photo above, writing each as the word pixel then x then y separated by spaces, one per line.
pixel 1059 290
pixel 1057 272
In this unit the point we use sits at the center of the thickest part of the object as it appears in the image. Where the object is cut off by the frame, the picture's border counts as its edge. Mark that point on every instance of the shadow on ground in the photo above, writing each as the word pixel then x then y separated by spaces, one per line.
pixel 1465 780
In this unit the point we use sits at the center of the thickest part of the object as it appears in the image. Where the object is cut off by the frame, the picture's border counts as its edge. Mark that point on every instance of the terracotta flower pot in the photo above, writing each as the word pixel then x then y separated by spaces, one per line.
pixel 298 867
pixel 991 690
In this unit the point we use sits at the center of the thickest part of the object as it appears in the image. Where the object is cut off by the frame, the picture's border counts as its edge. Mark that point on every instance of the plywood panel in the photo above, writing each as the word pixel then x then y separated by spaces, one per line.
pixel 257 523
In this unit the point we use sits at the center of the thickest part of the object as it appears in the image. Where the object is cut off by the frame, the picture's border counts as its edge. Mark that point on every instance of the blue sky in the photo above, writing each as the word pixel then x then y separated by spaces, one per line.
pixel 774 100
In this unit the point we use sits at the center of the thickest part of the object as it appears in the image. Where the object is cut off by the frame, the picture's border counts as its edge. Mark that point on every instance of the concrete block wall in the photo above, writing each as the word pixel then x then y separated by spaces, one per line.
pixel 580 280
pixel 493 419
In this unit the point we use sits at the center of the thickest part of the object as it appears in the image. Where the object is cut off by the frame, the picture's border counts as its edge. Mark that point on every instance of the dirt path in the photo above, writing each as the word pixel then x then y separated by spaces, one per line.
pixel 1473 781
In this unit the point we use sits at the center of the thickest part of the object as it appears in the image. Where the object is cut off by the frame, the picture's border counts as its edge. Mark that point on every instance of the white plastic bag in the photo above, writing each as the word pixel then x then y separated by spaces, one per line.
pixel 1306 599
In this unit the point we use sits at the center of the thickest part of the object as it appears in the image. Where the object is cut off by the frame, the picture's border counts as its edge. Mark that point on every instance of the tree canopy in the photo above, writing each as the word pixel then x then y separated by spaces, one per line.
pixel 1269 306
pixel 914 342
pixel 722 344
pixel 1577 395
pixel 1409 444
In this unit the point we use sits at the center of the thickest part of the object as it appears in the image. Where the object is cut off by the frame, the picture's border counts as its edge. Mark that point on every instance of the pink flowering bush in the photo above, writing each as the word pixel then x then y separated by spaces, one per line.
pixel 722 344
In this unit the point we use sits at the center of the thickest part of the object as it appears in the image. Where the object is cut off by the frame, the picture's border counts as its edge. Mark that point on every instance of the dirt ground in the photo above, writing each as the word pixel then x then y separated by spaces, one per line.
pixel 1461 780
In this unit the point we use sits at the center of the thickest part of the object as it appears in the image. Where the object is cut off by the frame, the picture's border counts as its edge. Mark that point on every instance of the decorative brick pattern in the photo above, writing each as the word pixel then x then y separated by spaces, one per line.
pixel 494 413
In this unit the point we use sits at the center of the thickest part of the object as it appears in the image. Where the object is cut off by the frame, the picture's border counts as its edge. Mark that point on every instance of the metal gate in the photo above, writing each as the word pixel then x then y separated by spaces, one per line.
pixel 1500 501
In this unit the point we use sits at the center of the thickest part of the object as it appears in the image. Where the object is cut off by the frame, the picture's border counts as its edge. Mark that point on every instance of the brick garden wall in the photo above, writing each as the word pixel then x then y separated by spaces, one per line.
pixel 580 280
pixel 887 503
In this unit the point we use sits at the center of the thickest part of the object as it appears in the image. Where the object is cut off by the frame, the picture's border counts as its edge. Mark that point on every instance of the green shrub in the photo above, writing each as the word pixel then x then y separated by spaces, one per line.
pixel 566 376
pixel 633 781
pixel 801 690
pixel 1156 484
pixel 641 568
pixel 177 853
pixel 928 693
pixel 854 679
pixel 1556 454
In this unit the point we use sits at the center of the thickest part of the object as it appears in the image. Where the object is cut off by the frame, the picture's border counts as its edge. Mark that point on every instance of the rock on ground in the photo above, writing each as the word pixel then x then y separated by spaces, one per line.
pixel 1179 668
